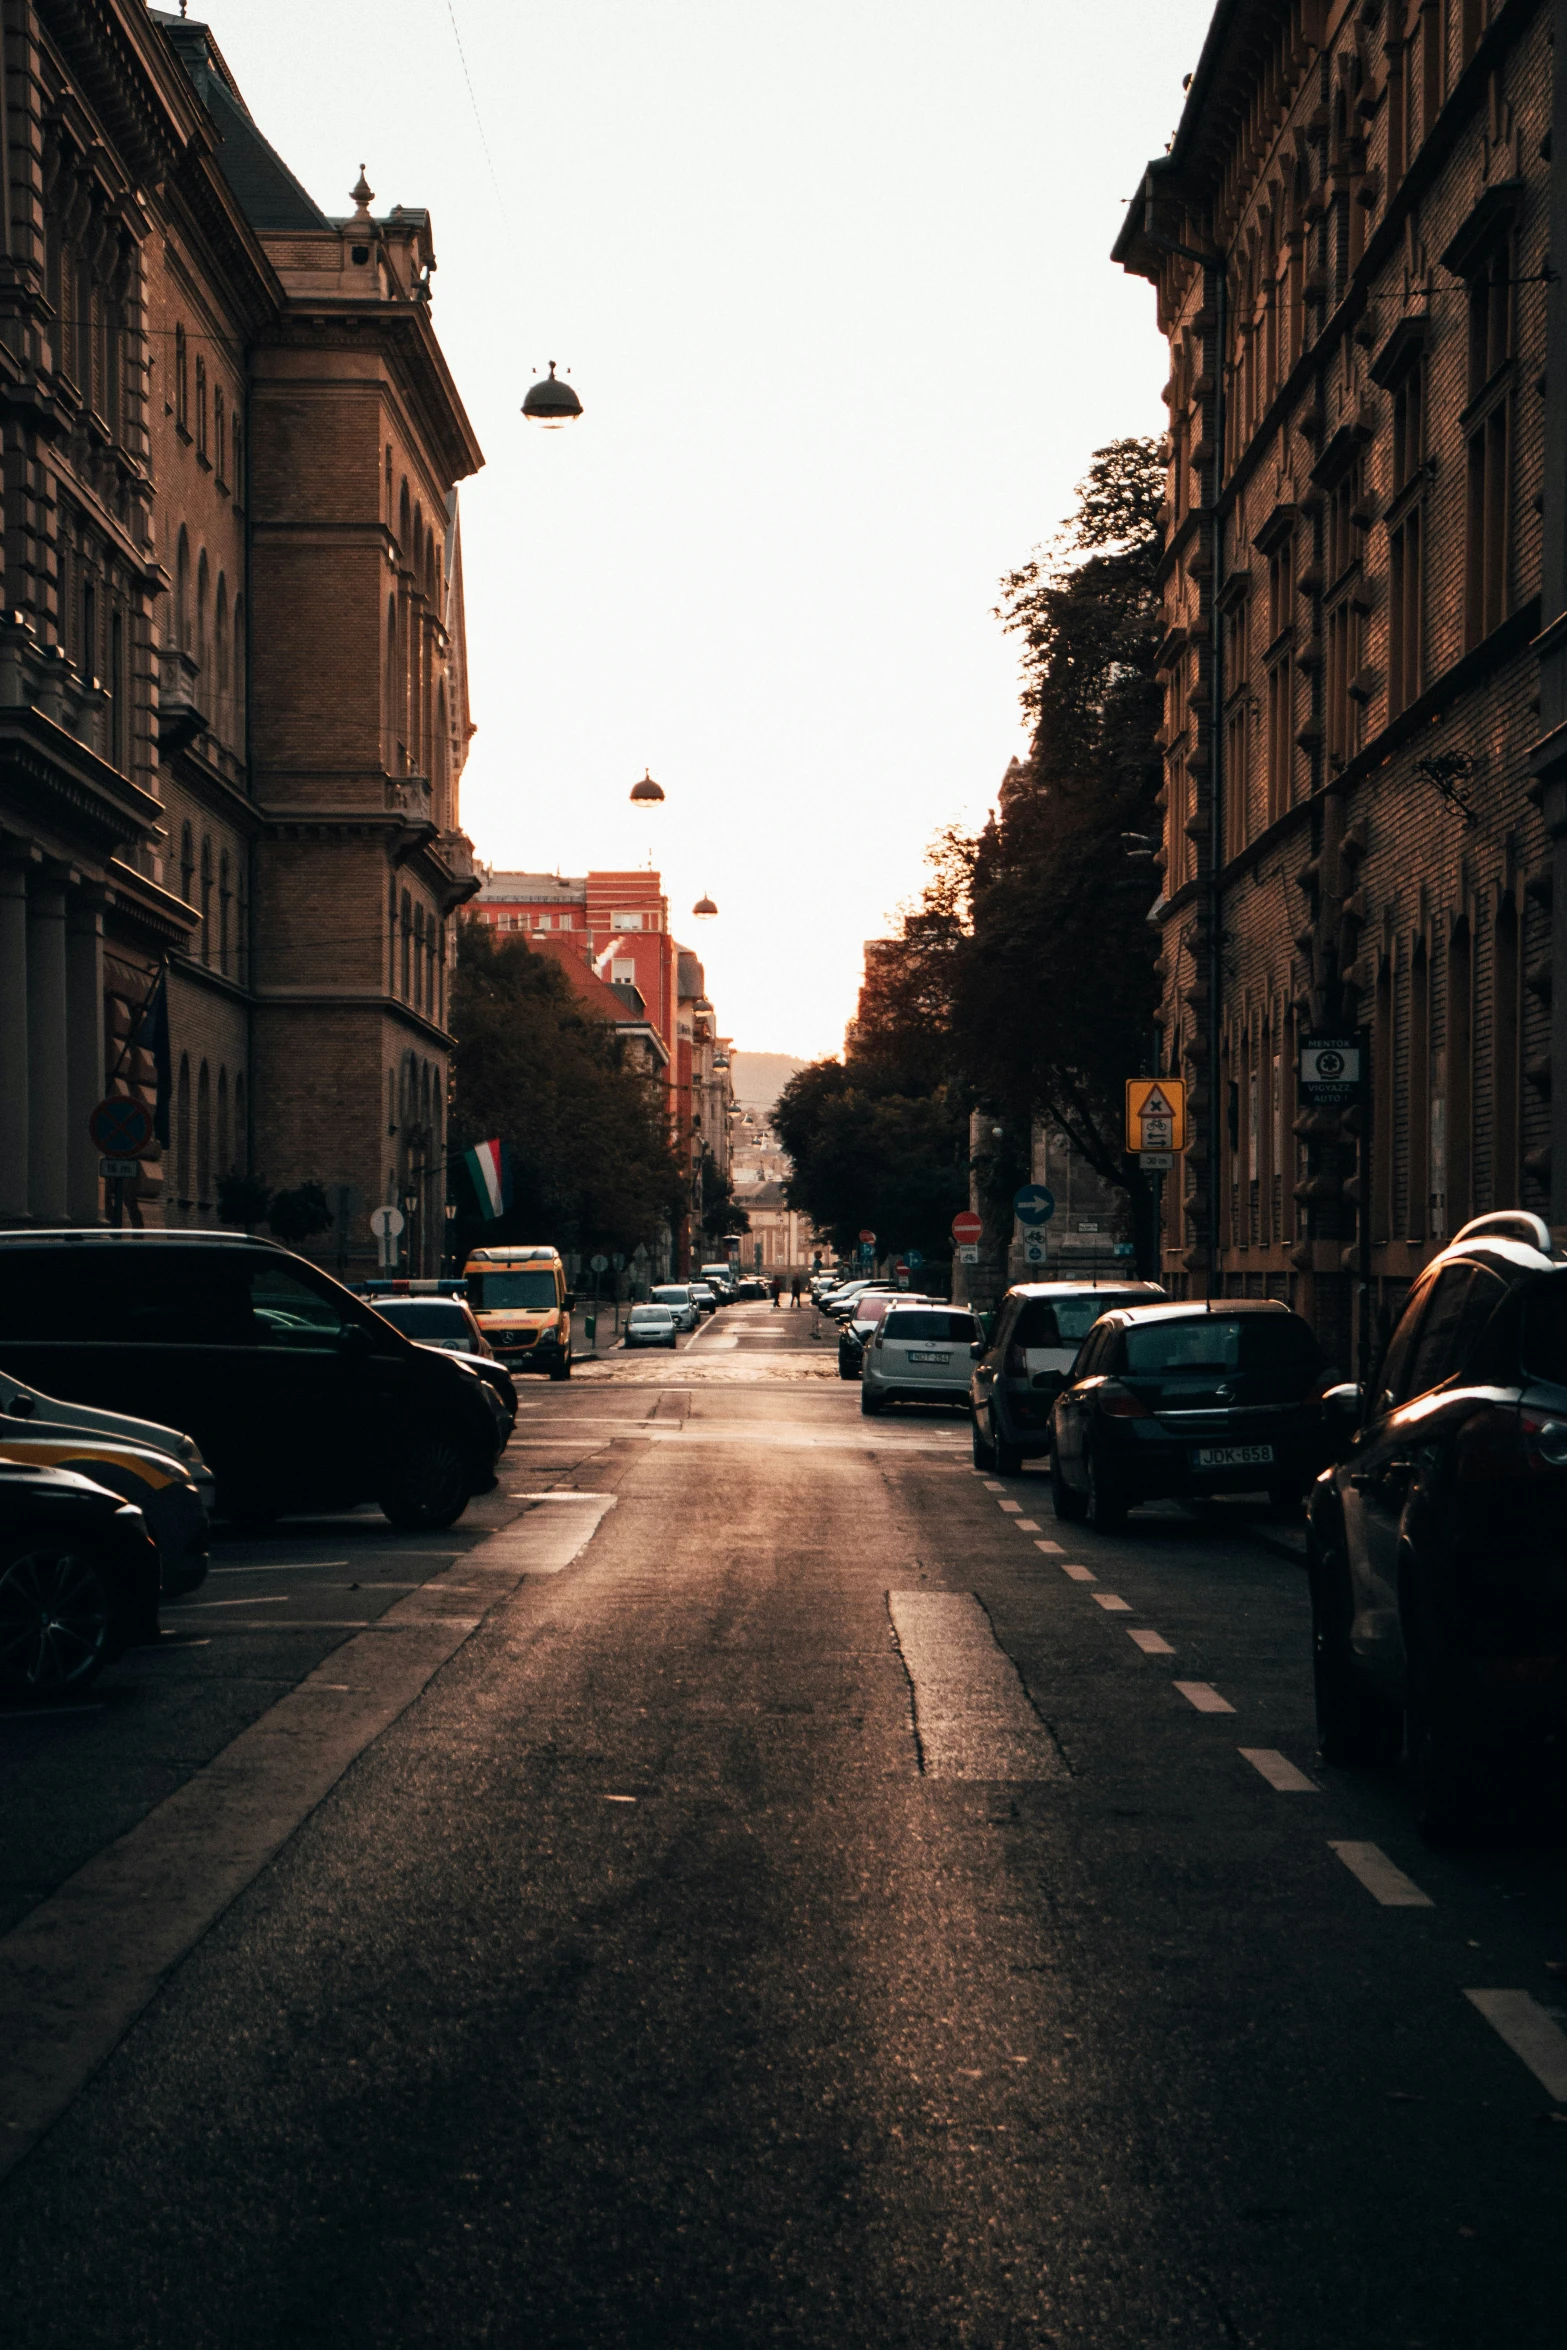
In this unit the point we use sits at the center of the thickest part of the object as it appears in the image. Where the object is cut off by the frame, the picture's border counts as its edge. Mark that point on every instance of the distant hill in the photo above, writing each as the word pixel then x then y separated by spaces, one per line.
pixel 759 1078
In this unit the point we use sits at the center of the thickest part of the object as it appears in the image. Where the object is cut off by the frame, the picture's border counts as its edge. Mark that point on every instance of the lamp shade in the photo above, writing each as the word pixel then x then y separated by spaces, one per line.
pixel 704 909
pixel 551 402
pixel 647 793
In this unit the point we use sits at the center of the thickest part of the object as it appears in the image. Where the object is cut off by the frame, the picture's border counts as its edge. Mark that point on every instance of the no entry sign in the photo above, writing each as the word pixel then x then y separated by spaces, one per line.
pixel 966 1228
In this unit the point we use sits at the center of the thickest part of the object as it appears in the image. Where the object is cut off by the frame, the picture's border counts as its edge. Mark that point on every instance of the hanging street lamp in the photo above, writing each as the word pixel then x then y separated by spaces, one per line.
pixel 647 793
pixel 551 403
pixel 704 909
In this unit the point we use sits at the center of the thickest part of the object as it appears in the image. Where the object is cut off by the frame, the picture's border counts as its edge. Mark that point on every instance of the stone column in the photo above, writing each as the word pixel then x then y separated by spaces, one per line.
pixel 84 1054
pixel 46 1051
pixel 13 1044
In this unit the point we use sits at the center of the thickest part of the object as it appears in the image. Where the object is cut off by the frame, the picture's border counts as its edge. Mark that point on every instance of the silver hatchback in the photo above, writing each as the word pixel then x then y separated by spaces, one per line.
pixel 918 1354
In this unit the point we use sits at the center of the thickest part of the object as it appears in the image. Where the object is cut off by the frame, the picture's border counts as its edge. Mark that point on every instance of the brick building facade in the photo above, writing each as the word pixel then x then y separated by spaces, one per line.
pixel 233 707
pixel 1349 238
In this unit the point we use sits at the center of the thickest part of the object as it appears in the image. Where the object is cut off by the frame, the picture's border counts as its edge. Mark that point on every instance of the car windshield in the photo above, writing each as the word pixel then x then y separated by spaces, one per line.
pixel 436 1321
pixel 640 1314
pixel 509 1292
pixel 1063 1321
pixel 1223 1342
pixel 672 1297
pixel 954 1329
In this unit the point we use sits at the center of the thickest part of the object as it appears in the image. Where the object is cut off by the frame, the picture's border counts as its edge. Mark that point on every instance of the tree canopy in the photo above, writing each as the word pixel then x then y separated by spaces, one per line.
pixel 592 1162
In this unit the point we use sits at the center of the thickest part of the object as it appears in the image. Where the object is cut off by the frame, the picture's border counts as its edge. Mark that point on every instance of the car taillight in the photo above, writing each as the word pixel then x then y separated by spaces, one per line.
pixel 1015 1362
pixel 1119 1403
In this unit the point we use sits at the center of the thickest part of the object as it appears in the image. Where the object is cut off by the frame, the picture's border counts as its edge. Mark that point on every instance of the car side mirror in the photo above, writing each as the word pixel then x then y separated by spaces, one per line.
pixel 1341 1408
pixel 568 1301
pixel 353 1342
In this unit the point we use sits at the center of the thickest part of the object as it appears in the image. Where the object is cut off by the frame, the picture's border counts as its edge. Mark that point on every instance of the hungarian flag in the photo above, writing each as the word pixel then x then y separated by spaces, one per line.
pixel 489 1171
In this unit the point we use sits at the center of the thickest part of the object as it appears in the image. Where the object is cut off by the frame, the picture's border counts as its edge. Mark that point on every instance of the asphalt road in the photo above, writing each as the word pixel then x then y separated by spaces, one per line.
pixel 779 1888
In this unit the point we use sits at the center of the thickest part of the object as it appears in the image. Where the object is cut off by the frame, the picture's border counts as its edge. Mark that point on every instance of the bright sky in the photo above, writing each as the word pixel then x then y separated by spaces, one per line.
pixel 832 281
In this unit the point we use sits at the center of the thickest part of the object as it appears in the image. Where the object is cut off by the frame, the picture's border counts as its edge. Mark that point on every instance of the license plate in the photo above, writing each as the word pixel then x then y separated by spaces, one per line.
pixel 1233 1456
pixel 916 1357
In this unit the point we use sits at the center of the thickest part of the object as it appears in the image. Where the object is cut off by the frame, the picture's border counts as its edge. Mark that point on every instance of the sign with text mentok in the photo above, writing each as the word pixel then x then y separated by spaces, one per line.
pixel 1329 1070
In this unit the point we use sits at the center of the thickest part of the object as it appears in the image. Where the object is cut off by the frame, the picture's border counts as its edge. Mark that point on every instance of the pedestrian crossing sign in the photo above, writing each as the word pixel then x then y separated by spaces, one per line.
pixel 1155 1114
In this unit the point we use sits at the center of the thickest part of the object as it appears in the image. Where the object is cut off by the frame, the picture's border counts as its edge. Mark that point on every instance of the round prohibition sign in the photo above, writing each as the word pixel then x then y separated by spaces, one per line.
pixel 121 1127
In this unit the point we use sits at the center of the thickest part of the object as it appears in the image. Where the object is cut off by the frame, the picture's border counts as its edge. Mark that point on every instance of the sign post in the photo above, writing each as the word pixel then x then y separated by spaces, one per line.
pixel 121 1128
pixel 386 1223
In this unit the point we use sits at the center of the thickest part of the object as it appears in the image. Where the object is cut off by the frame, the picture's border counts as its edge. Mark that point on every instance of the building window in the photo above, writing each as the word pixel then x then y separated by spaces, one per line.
pixel 181 383
pixel 220 435
pixel 225 1133
pixel 206 898
pixel 1505 1033
pixel 237 447
pixel 187 866
pixel 1343 623
pixel 225 902
pixel 1281 676
pixel 203 1140
pixel 407 946
pixel 201 409
pixel 1418 1206
pixel 1487 437
pixel 118 731
pixel 182 1190
pixel 1460 1076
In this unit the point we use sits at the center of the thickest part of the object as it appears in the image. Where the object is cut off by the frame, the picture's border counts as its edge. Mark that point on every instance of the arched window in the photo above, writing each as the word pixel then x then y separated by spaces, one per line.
pixel 1506 1178
pixel 1460 1076
pixel 203 615
pixel 225 899
pixel 220 435
pixel 182 1190
pixel 237 437
pixel 201 407
pixel 241 1129
pixel 404 528
pixel 389 485
pixel 181 381
pixel 225 1131
pixel 220 646
pixel 418 548
pixel 203 1140
pixel 391 934
pixel 419 956
pixel 182 593
pixel 187 865
pixel 392 730
pixel 442 762
pixel 206 897
pixel 407 928
pixel 241 919
pixel 238 667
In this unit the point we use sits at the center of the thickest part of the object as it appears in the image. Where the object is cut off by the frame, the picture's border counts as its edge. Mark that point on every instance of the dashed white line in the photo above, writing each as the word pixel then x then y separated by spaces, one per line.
pixel 1382 1880
pixel 1028 1525
pixel 1013 1508
pixel 1531 2032
pixel 994 1485
pixel 1151 1643
pixel 1054 1548
pixel 1204 1697
pixel 1078 1574
pixel 1113 1601
pixel 1283 1776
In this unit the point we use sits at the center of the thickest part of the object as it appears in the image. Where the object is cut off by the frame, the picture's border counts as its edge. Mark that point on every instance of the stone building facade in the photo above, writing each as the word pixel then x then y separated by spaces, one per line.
pixel 1349 240
pixel 233 707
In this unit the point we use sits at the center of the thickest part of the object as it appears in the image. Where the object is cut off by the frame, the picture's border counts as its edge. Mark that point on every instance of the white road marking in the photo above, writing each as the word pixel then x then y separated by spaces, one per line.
pixel 1113 1601
pixel 1531 2033
pixel 992 1485
pixel 1054 1548
pixel 1078 1574
pixel 561 1493
pixel 972 1716
pixel 81 1966
pixel 1382 1880
pixel 1151 1643
pixel 548 1540
pixel 1028 1525
pixel 286 1566
pixel 1204 1697
pixel 1013 1507
pixel 1281 1774
pixel 252 1599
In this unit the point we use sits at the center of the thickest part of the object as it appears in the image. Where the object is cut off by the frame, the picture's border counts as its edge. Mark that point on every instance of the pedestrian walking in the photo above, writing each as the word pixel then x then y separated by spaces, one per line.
pixel 777 1292
pixel 794 1293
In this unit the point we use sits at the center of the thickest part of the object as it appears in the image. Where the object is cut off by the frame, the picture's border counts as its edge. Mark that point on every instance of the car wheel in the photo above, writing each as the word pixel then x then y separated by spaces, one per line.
pixel 1009 1461
pixel 870 1402
pixel 984 1453
pixel 561 1370
pixel 1107 1505
pixel 55 1623
pixel 1069 1506
pixel 1355 1723
pixel 429 1487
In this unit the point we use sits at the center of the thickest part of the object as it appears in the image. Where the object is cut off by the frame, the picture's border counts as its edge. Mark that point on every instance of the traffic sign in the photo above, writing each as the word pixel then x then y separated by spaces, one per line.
pixel 968 1252
pixel 1035 1252
pixel 119 1170
pixel 913 1259
pixel 966 1228
pixel 1329 1070
pixel 1156 1162
pixel 386 1223
pixel 1033 1204
pixel 121 1126
pixel 618 1262
pixel 599 1264
pixel 1155 1114
pixel 868 1238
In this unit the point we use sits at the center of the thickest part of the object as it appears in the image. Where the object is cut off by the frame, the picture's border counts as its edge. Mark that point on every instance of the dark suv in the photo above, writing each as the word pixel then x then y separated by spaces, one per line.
pixel 1437 1546
pixel 300 1397
pixel 1219 1395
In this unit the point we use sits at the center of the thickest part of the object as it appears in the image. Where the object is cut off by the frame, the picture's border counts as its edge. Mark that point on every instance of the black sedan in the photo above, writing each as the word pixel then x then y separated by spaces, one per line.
pixel 1437 1546
pixel 78 1581
pixel 1221 1395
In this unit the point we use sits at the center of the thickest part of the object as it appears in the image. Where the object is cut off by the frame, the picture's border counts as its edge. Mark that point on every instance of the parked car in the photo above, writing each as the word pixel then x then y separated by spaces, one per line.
pixel 721 1280
pixel 1031 1347
pixel 751 1287
pixel 677 1296
pixel 449 1322
pixel 520 1301
pixel 704 1296
pixel 155 1483
pixel 857 1327
pixel 78 1581
pixel 837 1302
pixel 300 1396
pixel 1437 1543
pixel 1217 1395
pixel 651 1326
pixel 52 1412
pixel 919 1354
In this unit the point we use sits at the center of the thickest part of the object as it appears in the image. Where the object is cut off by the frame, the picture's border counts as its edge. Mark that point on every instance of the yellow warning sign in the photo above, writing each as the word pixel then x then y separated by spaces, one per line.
pixel 1155 1114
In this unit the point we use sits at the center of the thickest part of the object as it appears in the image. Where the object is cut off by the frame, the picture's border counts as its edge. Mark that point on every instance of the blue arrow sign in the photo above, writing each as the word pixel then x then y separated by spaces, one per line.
pixel 1033 1204
pixel 913 1259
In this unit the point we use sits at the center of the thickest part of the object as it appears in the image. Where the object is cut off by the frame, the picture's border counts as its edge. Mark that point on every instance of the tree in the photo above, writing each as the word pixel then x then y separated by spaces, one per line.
pixel 300 1214
pixel 867 1157
pixel 593 1164
pixel 721 1218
